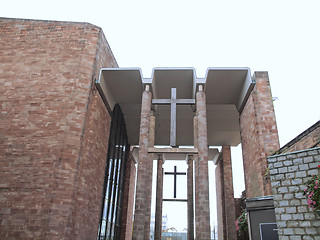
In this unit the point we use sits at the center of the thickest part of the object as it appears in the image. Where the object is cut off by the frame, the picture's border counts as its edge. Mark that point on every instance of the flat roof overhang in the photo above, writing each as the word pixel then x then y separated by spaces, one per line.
pixel 227 90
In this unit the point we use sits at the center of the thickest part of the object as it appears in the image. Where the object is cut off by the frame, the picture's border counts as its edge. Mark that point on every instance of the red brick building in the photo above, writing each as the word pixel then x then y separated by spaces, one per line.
pixel 67 129
pixel 54 129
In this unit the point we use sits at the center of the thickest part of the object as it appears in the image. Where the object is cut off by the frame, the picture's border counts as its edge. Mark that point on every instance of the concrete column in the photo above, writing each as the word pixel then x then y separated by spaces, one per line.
pixel 190 199
pixel 159 197
pixel 225 196
pixel 202 208
pixel 143 171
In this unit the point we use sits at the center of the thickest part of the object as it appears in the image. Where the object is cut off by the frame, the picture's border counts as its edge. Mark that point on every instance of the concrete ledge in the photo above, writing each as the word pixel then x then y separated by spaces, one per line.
pixel 264 202
pixel 296 152
pixel 174 150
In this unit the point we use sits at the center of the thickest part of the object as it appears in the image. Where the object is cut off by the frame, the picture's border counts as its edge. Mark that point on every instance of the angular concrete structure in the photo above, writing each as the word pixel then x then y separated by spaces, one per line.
pixel 221 108
pixel 74 127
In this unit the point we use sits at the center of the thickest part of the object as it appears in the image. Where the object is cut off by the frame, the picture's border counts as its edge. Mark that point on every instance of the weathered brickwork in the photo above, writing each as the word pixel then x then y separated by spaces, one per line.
pixel 220 199
pixel 128 199
pixel 202 207
pixel 91 167
pixel 310 138
pixel 141 202
pixel 289 174
pixel 54 129
pixel 259 136
pixel 225 196
pixel 190 202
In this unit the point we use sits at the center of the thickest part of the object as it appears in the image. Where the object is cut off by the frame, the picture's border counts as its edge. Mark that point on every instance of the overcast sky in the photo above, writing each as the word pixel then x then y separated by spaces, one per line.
pixel 281 37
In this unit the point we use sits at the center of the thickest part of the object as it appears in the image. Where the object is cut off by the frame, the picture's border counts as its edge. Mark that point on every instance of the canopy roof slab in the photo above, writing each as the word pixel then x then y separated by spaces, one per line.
pixel 183 79
pixel 227 90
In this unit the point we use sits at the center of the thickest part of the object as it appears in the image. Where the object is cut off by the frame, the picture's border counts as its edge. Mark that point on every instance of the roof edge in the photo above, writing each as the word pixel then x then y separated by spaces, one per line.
pixel 49 21
pixel 298 138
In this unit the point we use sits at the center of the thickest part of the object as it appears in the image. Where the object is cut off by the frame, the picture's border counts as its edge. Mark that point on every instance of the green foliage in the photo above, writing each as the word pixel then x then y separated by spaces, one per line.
pixel 266 173
pixel 242 223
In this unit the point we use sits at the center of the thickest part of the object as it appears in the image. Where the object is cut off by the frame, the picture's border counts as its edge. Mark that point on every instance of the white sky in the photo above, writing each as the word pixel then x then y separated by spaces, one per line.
pixel 278 36
pixel 281 37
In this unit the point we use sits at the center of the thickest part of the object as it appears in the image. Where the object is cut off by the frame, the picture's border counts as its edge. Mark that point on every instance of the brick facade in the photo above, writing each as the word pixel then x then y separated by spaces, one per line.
pixel 54 129
pixel 220 199
pixel 289 173
pixel 225 196
pixel 128 199
pixel 202 206
pixel 159 198
pixel 309 138
pixel 190 202
pixel 140 230
pixel 259 136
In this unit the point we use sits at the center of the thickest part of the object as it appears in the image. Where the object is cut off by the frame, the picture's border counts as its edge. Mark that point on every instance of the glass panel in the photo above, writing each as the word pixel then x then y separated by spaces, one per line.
pixel 103 229
pixel 111 192
pixel 120 197
pixel 108 231
pixel 104 215
pixel 116 195
pixel 110 212
pixel 112 232
pixel 118 217
pixel 115 162
pixel 107 190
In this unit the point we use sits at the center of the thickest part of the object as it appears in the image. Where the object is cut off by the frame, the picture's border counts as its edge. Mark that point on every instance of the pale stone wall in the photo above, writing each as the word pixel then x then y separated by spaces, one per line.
pixel 289 174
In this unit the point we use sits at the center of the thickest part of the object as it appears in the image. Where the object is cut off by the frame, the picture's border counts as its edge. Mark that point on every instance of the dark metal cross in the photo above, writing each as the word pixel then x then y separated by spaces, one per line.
pixel 175 173
pixel 173 101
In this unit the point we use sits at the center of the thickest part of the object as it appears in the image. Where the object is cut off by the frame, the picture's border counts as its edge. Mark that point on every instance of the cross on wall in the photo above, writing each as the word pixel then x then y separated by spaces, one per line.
pixel 173 102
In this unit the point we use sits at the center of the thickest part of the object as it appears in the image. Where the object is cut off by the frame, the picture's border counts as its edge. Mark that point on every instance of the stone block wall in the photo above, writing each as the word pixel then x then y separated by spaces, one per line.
pixel 289 174
pixel 54 129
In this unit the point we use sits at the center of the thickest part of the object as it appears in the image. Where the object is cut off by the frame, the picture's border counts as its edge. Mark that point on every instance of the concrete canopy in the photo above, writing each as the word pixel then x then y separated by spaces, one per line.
pixel 226 90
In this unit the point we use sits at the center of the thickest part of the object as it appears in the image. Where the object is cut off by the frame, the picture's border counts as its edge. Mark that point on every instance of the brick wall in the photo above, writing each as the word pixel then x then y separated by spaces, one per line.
pixel 94 146
pixel 128 199
pixel 220 198
pixel 310 138
pixel 259 136
pixel 225 196
pixel 54 129
pixel 289 173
